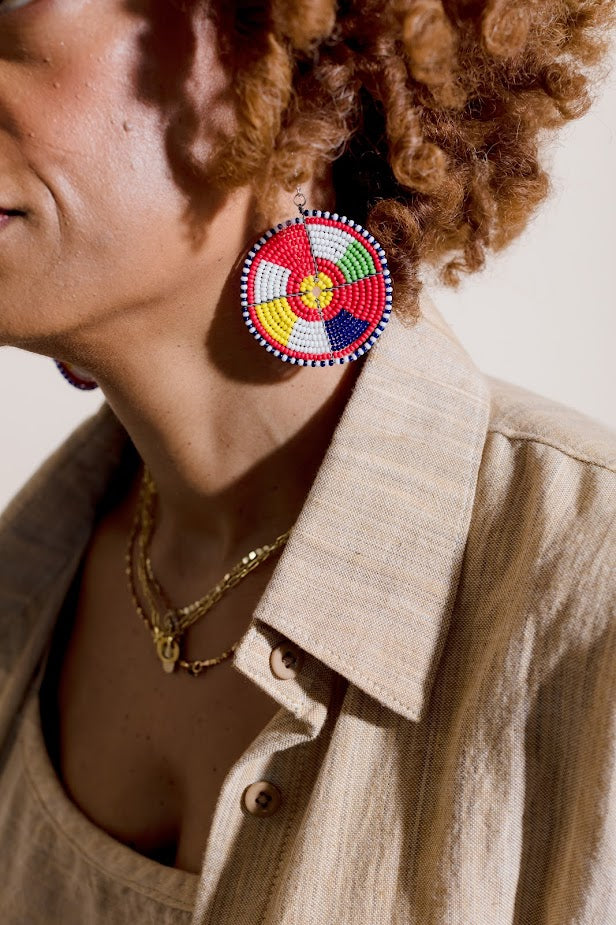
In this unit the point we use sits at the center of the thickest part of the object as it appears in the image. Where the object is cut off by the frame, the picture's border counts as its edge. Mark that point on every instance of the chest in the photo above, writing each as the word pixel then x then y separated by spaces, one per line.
pixel 142 753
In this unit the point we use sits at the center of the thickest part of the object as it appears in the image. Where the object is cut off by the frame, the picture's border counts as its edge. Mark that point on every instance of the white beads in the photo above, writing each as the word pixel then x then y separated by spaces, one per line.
pixel 309 337
pixel 327 242
pixel 270 280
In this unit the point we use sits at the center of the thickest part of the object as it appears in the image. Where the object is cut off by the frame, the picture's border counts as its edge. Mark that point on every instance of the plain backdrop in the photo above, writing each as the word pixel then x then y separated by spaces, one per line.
pixel 541 315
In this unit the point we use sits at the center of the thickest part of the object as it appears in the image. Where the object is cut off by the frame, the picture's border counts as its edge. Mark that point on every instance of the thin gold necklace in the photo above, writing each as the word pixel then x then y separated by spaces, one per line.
pixel 168 629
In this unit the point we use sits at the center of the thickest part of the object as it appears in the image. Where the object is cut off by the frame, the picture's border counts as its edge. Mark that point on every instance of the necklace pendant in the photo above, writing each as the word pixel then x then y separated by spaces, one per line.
pixel 168 651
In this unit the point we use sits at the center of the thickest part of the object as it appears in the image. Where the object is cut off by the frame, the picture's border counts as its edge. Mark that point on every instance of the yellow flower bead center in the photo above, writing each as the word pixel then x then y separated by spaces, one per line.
pixel 316 293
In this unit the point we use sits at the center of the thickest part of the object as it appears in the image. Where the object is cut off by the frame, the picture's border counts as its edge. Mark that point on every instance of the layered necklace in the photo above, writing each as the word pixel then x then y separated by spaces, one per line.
pixel 167 623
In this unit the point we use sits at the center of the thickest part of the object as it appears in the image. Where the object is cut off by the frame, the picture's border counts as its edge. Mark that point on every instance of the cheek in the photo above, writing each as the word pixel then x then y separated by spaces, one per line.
pixel 117 115
pixel 110 229
pixel 101 156
pixel 98 126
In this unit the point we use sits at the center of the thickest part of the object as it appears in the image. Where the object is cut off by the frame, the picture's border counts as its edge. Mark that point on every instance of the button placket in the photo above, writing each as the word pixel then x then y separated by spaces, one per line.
pixel 249 832
pixel 265 656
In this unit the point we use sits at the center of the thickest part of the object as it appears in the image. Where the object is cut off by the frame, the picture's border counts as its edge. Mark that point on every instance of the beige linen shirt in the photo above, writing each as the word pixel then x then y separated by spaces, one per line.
pixel 446 755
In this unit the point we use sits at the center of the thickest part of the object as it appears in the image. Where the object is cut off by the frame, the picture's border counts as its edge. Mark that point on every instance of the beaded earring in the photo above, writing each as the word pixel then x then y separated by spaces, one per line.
pixel 316 289
pixel 76 376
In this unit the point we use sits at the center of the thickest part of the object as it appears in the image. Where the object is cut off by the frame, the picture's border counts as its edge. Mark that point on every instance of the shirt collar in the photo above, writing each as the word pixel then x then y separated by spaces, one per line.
pixel 367 580
pixel 369 575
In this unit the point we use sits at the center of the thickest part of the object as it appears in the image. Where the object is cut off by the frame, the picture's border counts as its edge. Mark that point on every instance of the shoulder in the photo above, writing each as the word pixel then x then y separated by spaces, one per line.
pixel 551 471
pixel 547 475
pixel 79 465
pixel 519 414
pixel 542 539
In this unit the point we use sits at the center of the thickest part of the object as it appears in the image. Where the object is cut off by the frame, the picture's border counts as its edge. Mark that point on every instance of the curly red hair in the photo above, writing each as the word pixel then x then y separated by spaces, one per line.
pixel 432 113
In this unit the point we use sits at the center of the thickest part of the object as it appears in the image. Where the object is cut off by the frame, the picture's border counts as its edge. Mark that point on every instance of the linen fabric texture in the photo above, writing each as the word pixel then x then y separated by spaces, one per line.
pixel 446 755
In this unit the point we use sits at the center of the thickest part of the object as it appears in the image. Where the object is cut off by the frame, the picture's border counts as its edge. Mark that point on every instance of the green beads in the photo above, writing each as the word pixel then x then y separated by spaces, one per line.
pixel 356 263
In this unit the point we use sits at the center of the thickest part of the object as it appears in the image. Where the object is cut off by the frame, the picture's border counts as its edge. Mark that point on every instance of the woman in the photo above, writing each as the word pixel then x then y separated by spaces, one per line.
pixel 399 569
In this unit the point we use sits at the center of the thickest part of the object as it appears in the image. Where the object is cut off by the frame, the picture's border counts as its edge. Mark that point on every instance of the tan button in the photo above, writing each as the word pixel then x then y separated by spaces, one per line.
pixel 262 798
pixel 286 661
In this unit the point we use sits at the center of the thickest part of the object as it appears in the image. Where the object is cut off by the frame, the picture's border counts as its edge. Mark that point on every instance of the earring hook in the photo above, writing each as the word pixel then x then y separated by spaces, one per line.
pixel 299 200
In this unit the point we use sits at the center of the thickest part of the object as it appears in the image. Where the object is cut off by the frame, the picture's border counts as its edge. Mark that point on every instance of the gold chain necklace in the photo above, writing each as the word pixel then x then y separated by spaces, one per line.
pixel 167 630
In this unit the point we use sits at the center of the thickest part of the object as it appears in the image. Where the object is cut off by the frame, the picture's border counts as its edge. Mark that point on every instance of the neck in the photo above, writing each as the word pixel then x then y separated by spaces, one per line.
pixel 232 460
pixel 232 437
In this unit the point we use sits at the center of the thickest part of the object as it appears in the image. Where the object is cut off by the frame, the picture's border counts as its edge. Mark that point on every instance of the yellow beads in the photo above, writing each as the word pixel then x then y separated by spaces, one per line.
pixel 309 287
pixel 277 318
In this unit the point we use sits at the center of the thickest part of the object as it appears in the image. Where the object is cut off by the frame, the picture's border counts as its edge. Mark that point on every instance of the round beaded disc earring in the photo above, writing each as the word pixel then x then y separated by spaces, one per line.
pixel 316 289
pixel 76 376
